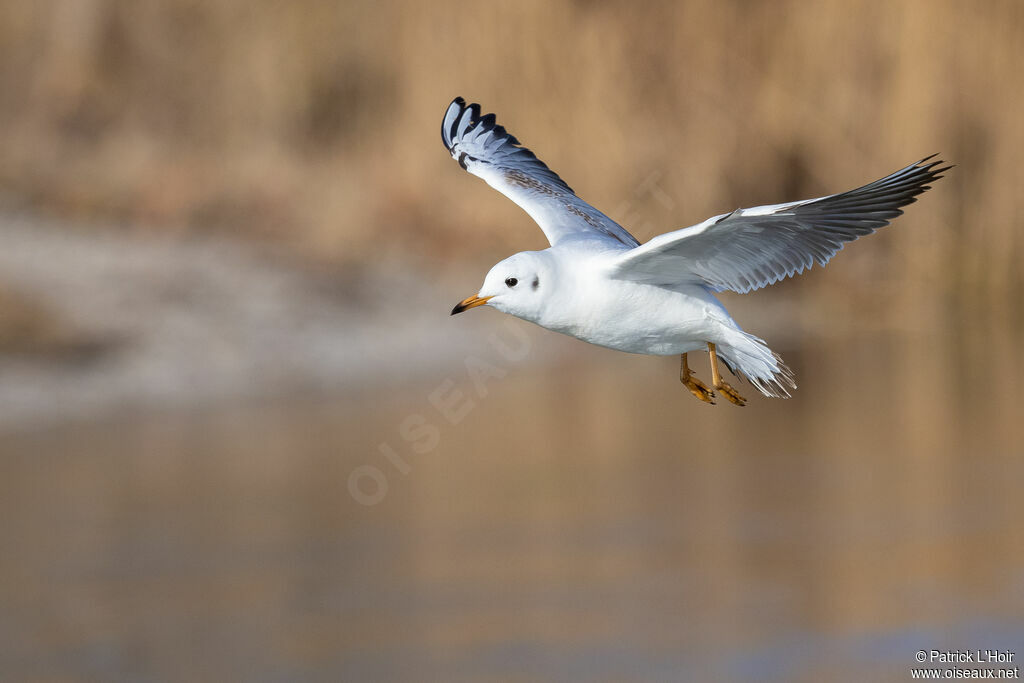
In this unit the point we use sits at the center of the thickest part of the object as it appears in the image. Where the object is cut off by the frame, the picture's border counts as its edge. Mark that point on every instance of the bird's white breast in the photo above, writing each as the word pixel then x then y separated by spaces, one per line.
pixel 629 316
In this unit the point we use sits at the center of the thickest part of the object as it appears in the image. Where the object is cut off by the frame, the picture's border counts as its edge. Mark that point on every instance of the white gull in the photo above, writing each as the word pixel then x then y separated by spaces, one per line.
pixel 598 283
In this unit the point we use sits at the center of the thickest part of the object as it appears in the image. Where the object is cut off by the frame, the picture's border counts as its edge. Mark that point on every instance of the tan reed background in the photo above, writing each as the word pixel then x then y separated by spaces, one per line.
pixel 316 123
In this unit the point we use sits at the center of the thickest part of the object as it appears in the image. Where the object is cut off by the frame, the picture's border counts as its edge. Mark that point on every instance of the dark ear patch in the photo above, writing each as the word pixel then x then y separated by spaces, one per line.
pixel 536 283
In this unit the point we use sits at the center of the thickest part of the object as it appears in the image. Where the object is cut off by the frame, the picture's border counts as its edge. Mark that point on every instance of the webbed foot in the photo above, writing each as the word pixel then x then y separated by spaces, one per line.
pixel 731 394
pixel 696 387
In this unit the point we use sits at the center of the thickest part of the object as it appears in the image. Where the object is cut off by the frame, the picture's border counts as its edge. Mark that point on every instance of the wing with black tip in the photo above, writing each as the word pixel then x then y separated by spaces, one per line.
pixel 486 150
pixel 753 248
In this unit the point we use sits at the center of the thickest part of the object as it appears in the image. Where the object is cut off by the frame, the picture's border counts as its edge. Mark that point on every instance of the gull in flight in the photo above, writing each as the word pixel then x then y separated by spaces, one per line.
pixel 597 283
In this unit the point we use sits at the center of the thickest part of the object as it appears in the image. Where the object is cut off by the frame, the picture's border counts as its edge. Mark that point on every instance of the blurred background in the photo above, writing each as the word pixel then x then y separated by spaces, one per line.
pixel 241 438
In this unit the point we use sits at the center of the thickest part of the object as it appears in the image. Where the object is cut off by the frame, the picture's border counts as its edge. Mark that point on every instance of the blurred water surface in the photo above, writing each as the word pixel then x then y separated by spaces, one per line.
pixel 586 520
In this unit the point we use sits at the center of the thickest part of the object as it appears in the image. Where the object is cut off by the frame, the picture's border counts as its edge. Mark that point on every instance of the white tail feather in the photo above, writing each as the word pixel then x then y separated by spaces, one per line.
pixel 748 357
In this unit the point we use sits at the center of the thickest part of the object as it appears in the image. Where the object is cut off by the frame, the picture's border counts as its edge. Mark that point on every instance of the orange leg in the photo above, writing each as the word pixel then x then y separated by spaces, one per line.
pixel 696 387
pixel 718 383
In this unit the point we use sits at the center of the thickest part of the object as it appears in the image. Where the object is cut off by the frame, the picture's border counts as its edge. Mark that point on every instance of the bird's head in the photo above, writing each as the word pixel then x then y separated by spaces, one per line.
pixel 515 286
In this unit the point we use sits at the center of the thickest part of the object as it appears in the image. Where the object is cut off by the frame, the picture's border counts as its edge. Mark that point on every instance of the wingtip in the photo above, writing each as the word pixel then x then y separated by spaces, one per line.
pixel 935 168
pixel 451 117
pixel 933 162
pixel 462 121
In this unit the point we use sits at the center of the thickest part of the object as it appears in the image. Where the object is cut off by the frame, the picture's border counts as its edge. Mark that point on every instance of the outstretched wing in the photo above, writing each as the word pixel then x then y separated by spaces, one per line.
pixel 753 248
pixel 485 149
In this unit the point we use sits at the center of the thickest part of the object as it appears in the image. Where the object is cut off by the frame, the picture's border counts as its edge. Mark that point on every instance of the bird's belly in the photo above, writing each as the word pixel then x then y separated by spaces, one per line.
pixel 649 320
pixel 682 338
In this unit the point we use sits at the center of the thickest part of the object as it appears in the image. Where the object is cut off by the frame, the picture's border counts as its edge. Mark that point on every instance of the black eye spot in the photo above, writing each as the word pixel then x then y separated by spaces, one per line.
pixel 511 282
pixel 536 282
